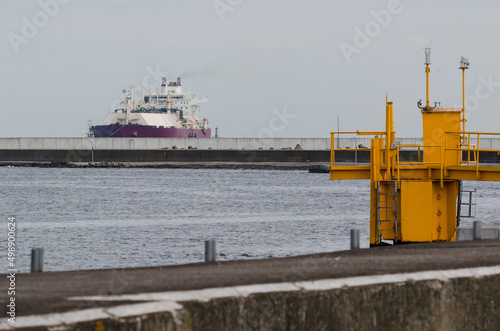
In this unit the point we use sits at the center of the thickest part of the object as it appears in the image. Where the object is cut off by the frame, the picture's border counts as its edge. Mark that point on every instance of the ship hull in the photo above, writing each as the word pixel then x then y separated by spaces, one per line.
pixel 145 131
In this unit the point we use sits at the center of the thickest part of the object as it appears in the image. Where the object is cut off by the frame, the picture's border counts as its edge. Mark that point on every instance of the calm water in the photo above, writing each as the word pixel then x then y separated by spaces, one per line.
pixel 102 218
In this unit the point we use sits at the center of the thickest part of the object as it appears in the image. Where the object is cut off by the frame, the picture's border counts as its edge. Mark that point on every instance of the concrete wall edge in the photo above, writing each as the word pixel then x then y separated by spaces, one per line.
pixel 171 302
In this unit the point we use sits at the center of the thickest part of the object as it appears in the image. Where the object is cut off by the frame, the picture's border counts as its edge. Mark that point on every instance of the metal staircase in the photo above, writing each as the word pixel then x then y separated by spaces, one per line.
pixel 387 211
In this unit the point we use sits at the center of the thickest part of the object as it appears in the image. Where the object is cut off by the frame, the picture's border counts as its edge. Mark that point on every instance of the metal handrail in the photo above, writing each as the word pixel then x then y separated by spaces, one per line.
pixel 470 148
pixel 443 151
pixel 440 163
pixel 332 143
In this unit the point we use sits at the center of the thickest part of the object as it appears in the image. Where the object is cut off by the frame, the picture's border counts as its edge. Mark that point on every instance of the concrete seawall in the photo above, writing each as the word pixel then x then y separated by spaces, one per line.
pixel 201 150
pixel 214 143
pixel 433 286
pixel 463 299
pixel 190 155
pixel 200 155
pixel 161 143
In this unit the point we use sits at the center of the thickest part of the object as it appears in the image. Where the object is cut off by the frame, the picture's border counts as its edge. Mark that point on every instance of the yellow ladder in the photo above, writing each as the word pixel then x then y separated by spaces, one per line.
pixel 387 211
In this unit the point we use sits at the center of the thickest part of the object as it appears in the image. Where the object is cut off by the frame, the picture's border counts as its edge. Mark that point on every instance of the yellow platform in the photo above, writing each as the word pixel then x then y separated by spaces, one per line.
pixel 416 200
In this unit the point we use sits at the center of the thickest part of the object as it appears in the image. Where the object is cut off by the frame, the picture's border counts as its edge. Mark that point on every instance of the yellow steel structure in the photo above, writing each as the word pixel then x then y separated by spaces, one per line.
pixel 464 64
pixel 416 200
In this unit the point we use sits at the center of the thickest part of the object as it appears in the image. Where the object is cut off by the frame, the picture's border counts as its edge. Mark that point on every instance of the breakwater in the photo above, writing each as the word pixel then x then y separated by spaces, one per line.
pixel 189 155
pixel 181 143
pixel 61 157
pixel 85 143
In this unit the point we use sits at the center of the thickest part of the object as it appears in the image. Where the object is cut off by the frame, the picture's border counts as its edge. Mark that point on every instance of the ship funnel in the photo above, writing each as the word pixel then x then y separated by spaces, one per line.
pixel 163 85
pixel 178 81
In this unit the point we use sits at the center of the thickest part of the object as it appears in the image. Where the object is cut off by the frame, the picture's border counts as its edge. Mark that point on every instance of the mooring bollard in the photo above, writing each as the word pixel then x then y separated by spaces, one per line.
pixel 36 259
pixel 210 250
pixel 476 230
pixel 354 239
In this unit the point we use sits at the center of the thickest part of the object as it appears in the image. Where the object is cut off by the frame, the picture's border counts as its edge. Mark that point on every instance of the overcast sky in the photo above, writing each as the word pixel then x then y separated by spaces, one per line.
pixel 269 68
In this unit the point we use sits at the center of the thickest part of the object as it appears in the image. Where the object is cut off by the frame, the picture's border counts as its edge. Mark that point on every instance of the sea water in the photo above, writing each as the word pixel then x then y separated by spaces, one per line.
pixel 115 218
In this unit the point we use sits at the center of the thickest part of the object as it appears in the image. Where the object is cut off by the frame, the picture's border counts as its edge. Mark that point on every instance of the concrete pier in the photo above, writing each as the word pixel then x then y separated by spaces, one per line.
pixel 488 231
pixel 438 286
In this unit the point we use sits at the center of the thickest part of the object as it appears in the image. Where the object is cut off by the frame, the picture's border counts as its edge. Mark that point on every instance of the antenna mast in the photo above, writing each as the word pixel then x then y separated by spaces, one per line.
pixel 464 64
pixel 427 52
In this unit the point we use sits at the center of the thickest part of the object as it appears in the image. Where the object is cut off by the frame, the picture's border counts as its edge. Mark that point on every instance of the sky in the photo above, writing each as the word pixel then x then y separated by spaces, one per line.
pixel 278 68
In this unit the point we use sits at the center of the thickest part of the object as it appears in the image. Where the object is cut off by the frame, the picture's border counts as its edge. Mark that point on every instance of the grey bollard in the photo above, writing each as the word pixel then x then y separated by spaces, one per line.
pixel 36 259
pixel 476 230
pixel 210 250
pixel 354 239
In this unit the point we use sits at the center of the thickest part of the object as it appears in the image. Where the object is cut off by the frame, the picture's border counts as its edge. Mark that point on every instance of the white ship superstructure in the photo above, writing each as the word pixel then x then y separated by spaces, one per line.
pixel 169 107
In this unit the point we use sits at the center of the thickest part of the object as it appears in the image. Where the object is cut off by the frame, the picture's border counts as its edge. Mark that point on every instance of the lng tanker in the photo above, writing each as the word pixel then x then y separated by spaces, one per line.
pixel 170 112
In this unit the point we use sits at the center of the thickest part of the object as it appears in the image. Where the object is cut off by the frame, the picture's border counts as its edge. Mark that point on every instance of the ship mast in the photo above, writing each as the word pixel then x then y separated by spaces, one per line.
pixel 133 91
pixel 126 103
pixel 150 95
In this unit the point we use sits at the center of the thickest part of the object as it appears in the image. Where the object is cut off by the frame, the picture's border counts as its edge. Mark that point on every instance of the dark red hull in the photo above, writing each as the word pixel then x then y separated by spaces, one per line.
pixel 143 131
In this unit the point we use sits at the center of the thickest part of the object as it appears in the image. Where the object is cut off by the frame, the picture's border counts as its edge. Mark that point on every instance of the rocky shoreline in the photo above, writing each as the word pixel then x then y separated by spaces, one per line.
pixel 171 165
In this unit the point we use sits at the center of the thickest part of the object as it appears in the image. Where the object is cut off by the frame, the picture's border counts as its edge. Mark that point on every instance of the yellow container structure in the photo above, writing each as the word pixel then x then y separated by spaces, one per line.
pixel 416 200
pixel 435 123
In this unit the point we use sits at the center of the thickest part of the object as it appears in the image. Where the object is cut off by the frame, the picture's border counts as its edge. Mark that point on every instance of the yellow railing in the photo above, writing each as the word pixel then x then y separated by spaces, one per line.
pixel 467 146
pixel 388 159
pixel 420 162
pixel 360 133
